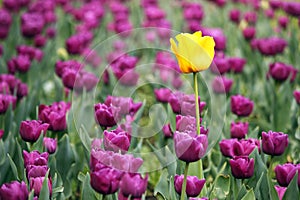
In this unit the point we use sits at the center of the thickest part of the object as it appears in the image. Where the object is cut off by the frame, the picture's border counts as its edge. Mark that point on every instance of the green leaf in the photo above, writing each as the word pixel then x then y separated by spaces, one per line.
pixel 38 145
pixel 13 167
pixel 292 191
pixel 162 186
pixel 172 118
pixel 85 138
pixel 272 191
pixel 172 191
pixel 87 190
pixel 221 188
pixel 2 152
pixel 242 192
pixel 44 193
pixel 31 195
pixel 249 196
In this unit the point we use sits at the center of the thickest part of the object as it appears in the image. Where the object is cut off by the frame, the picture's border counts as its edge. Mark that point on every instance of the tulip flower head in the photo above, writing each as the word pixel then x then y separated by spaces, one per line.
pixel 194 53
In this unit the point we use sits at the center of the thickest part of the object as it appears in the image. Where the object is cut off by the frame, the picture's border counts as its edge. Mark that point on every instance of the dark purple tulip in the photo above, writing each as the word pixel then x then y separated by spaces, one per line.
pixel 6 101
pixel 30 131
pixel 61 66
pixel 105 115
pixel 243 147
pixel 1 133
pixel 292 8
pixel 116 140
pixel 281 71
pixel 50 144
pixel 236 64
pixel 271 46
pixel 226 147
pixel 5 22
pixel 162 94
pixel 269 13
pixel 4 88
pixel 280 191
pixel 241 106
pixel 221 84
pixel 35 158
pixel 242 167
pixel 105 180
pixel 37 183
pixel 239 130
pixel 40 41
pixel 220 66
pixel 250 17
pixel 235 15
pixel 77 43
pixel 133 184
pixel 285 173
pixel 275 4
pixel 22 90
pixel 69 77
pixel 249 32
pixel 193 185
pixel 283 21
pixel 274 143
pixel 20 63
pixel 34 171
pixel 32 24
pixel 189 148
pixel 51 32
pixel 14 191
pixel 297 96
pixel 55 115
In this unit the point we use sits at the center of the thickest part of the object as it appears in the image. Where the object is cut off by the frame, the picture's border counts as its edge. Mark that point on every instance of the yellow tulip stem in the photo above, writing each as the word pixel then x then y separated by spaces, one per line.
pixel 183 188
pixel 196 102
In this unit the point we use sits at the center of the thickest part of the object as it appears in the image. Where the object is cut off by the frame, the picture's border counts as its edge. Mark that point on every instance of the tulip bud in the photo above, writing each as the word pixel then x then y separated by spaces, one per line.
pixel 297 96
pixel 241 106
pixel 133 184
pixel 106 116
pixel 285 173
pixel 274 143
pixel 242 167
pixel 189 148
pixel 239 130
pixel 36 184
pixel 193 185
pixel 1 133
pixel 30 131
pixel 236 64
pixel 280 191
pixel 50 144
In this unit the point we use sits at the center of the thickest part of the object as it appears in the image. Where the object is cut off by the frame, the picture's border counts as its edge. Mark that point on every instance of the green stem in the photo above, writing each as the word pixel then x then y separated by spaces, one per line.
pixel 270 168
pixel 196 102
pixel 182 197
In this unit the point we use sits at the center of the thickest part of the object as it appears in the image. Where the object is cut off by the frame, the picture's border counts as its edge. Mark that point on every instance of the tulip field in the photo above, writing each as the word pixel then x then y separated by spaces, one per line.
pixel 149 99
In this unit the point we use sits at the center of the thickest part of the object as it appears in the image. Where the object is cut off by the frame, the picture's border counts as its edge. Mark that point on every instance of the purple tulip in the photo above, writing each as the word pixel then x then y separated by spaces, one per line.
pixel 189 148
pixel 20 63
pixel 239 130
pixel 275 4
pixel 281 71
pixel 32 24
pixel 184 104
pixel 31 52
pixel 37 183
pixel 221 65
pixel 116 140
pixel 106 116
pixel 235 15
pixel 285 173
pixel 221 84
pixel 271 46
pixel 250 17
pixel 242 167
pixel 167 131
pixel 297 96
pixel 50 144
pixel 280 191
pixel 236 64
pixel 77 43
pixel 193 185
pixel 243 147
pixel 14 191
pixel 22 90
pixel 35 158
pixel 125 104
pixel 5 22
pixel 133 184
pixel 274 143
pixel 1 133
pixel 249 33
pixel 283 21
pixel 40 41
pixel 34 171
pixel 60 66
pixel 188 124
pixel 269 13
pixel 105 180
pixel 241 106
pixel 292 8
pixel 54 115
pixel 6 101
pixel 226 147
pixel 162 94
pixel 30 131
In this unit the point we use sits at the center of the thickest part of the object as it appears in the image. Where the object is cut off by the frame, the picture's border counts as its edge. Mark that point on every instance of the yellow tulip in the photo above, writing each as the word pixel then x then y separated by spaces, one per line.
pixel 194 53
